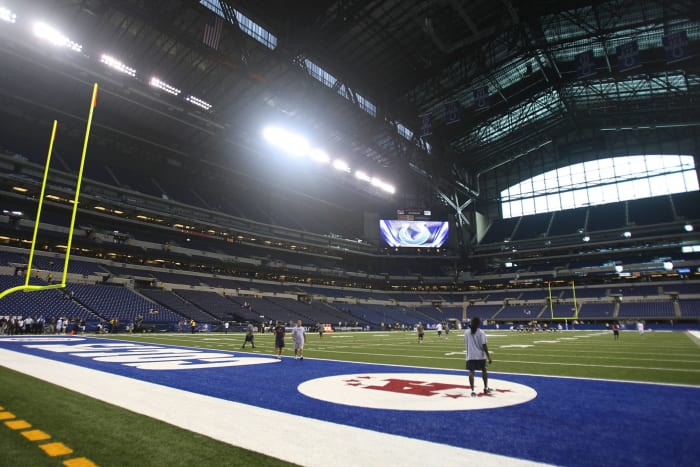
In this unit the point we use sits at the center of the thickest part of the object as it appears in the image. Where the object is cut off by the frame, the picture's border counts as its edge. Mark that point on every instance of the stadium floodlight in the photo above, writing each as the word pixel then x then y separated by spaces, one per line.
pixel 339 164
pixel 382 185
pixel 319 156
pixel 619 268
pixel 198 102
pixel 46 32
pixel 7 15
pixel 362 176
pixel 586 239
pixel 117 65
pixel 627 234
pixel 688 227
pixel 291 143
pixel 156 83
pixel 668 266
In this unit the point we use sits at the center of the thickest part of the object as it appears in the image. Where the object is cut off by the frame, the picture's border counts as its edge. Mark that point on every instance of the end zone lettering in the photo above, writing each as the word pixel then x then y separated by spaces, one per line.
pixel 149 357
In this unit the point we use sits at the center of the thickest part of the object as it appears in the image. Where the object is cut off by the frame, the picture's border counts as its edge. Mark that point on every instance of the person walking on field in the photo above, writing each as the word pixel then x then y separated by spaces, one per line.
pixel 299 336
pixel 419 329
pixel 477 353
pixel 279 331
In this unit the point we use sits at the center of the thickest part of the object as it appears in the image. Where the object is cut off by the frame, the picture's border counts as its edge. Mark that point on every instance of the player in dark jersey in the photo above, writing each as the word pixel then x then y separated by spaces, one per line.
pixel 279 339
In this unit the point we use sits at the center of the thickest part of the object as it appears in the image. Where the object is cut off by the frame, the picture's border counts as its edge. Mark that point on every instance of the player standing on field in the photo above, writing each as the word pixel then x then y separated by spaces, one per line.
pixel 279 339
pixel 477 353
pixel 299 336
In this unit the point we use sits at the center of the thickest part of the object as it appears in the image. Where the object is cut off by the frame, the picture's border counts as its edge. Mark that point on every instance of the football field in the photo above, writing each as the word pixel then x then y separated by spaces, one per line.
pixel 569 398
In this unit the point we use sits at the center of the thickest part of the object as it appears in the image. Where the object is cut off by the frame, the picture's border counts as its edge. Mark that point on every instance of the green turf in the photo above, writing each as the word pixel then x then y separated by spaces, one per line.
pixel 663 357
pixel 105 434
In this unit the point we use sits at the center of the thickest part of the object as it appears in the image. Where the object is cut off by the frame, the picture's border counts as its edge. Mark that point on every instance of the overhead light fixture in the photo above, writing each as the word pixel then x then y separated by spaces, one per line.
pixel 341 165
pixel 156 83
pixel 319 156
pixel 7 15
pixel 117 65
pixel 586 239
pixel 627 234
pixel 291 143
pixel 668 266
pixel 382 185
pixel 688 227
pixel 46 32
pixel 362 176
pixel 198 102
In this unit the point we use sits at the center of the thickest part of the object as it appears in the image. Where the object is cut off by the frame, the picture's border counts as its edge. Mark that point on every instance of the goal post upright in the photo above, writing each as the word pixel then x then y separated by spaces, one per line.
pixel 26 287
pixel 93 103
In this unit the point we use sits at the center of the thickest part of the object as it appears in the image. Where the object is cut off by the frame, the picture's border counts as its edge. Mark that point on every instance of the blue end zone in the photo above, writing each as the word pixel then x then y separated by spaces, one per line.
pixel 570 422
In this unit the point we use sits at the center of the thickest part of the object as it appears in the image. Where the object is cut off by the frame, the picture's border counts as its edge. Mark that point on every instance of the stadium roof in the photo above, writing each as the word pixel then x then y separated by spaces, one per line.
pixel 428 94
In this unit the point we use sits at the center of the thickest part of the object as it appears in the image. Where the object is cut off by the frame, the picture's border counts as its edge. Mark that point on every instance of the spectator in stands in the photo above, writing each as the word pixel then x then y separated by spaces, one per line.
pixel 616 330
pixel 279 339
pixel 421 331
pixel 299 336
pixel 477 353
pixel 249 335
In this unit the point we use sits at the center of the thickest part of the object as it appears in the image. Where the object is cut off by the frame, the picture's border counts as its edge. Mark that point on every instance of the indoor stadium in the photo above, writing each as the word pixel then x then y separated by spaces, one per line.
pixel 269 233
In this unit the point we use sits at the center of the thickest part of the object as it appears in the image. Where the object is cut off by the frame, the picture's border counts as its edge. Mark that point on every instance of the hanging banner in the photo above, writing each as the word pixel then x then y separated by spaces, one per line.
pixel 481 98
pixel 452 112
pixel 585 64
pixel 676 46
pixel 627 56
pixel 426 124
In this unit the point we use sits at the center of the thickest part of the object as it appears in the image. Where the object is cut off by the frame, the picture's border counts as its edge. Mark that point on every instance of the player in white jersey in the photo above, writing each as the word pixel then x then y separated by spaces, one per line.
pixel 299 336
pixel 477 353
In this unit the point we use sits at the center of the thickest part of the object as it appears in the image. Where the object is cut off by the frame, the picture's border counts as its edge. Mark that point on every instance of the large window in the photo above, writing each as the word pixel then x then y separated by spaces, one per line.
pixel 599 182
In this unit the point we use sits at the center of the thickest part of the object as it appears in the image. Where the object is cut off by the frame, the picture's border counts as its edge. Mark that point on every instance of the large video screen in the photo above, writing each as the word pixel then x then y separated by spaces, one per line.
pixel 414 234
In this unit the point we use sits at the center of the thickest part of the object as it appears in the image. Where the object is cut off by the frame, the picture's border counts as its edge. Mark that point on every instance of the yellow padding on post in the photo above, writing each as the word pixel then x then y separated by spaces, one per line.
pixel 6 415
pixel 36 435
pixel 79 462
pixel 56 449
pixel 18 424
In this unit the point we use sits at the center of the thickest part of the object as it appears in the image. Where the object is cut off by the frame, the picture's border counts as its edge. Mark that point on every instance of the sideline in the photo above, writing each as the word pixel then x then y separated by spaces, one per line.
pixel 251 427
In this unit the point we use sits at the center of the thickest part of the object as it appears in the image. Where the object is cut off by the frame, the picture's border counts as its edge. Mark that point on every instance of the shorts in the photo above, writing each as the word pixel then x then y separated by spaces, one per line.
pixel 248 338
pixel 279 344
pixel 298 345
pixel 476 365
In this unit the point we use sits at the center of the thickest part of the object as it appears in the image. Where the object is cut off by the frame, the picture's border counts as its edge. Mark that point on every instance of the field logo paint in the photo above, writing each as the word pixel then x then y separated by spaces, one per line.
pixel 151 357
pixel 414 391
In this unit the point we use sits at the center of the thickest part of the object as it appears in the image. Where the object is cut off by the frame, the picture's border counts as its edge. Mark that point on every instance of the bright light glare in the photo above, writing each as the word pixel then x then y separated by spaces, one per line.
pixel 319 156
pixel 7 15
pixel 156 83
pixel 198 102
pixel 291 143
pixel 362 176
pixel 53 36
pixel 341 165
pixel 117 65
pixel 382 185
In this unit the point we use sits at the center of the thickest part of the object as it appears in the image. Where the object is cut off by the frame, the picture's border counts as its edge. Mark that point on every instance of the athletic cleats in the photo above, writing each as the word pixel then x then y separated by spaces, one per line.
pixel 488 390
pixel 473 394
